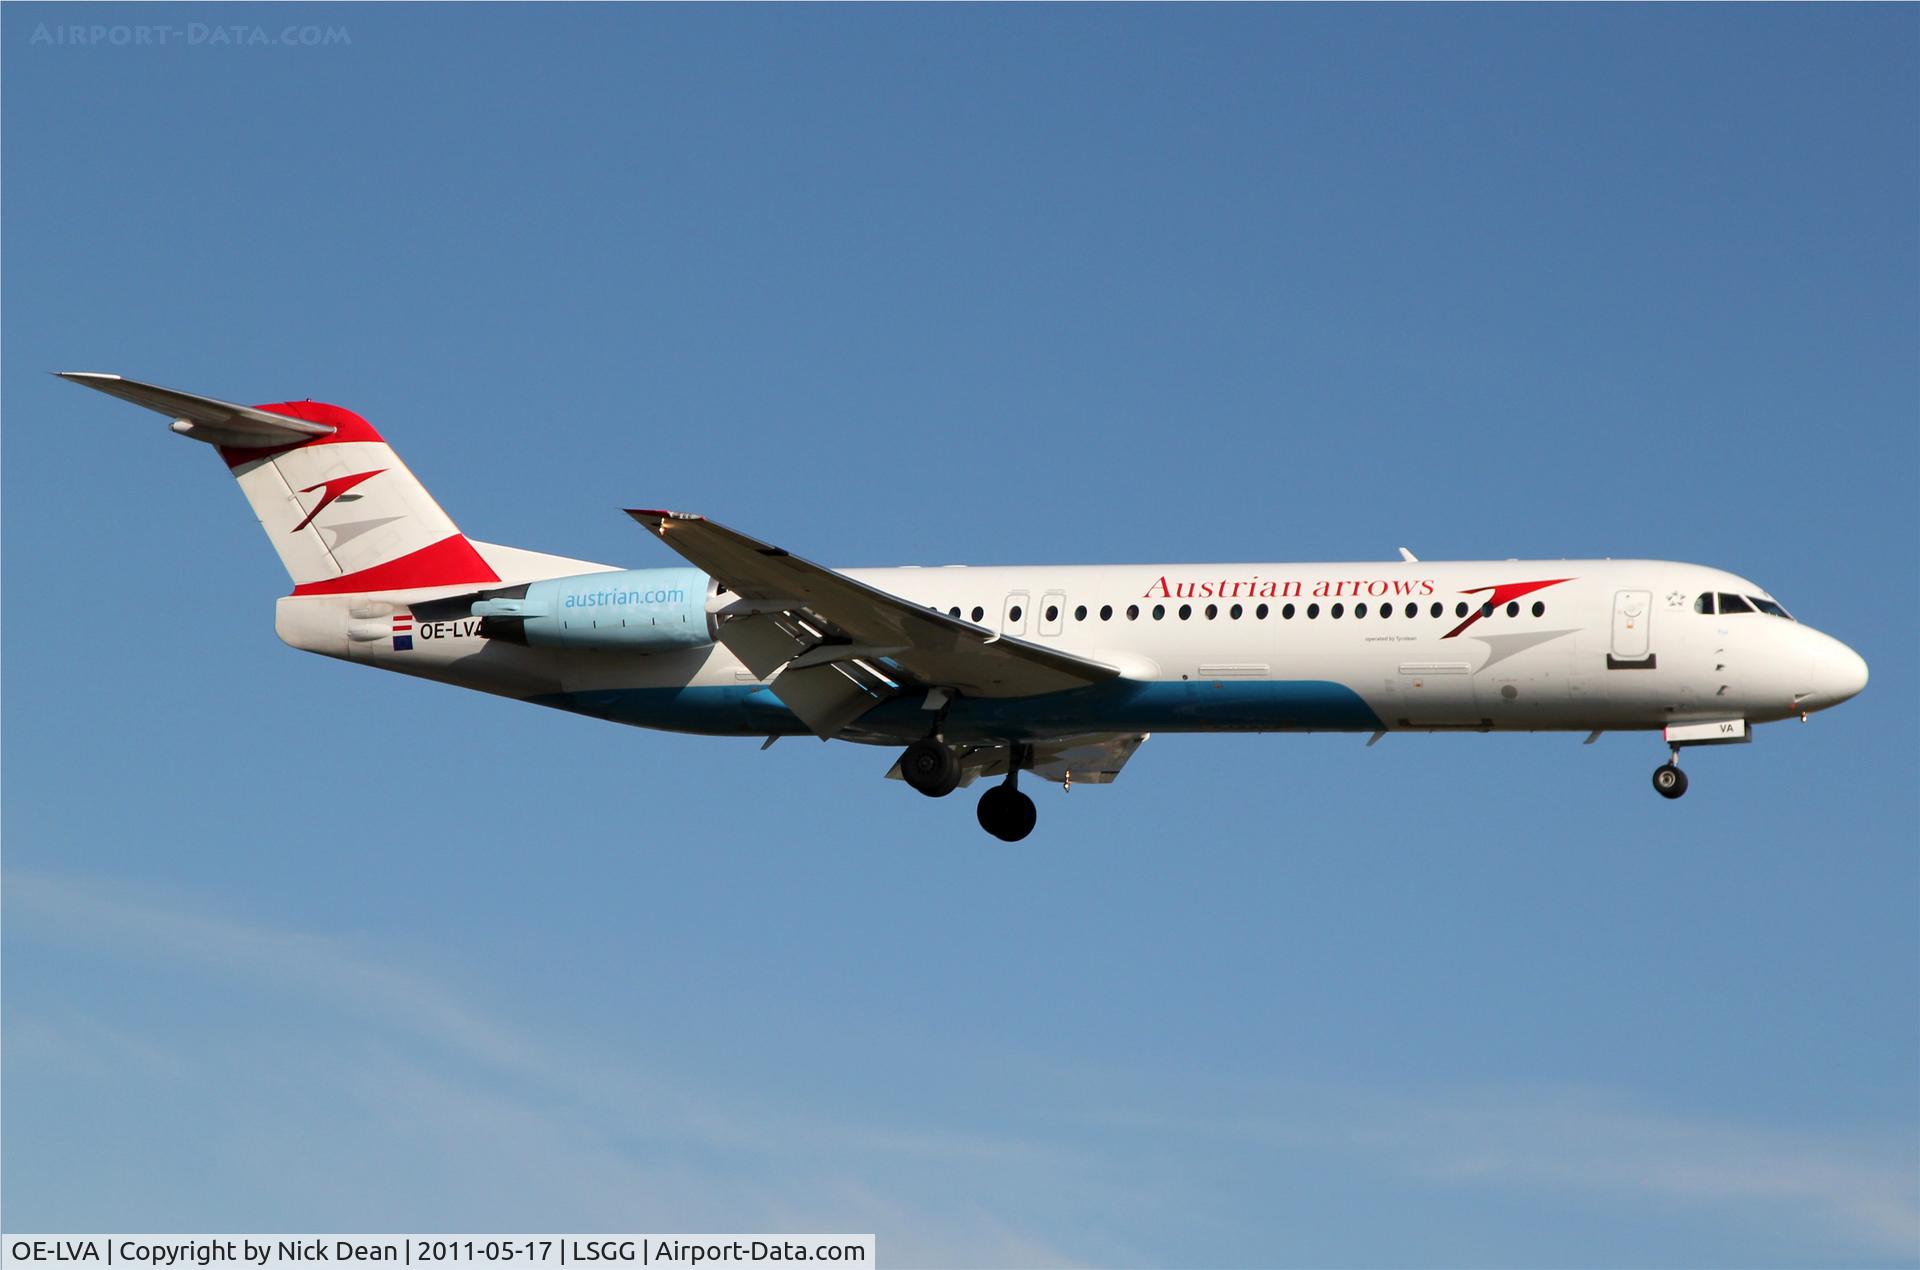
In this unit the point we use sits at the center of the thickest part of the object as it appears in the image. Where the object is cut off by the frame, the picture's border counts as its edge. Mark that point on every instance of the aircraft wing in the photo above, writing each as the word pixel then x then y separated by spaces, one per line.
pixel 1093 758
pixel 796 617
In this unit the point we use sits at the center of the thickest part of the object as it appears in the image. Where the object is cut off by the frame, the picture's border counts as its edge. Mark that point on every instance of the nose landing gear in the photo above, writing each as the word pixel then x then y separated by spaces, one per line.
pixel 1669 780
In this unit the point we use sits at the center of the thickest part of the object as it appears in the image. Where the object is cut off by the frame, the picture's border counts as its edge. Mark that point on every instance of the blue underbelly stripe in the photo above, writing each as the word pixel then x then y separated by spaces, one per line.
pixel 1117 706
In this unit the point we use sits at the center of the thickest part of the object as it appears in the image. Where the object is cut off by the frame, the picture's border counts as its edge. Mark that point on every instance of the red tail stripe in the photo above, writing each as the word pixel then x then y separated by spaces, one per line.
pixel 449 562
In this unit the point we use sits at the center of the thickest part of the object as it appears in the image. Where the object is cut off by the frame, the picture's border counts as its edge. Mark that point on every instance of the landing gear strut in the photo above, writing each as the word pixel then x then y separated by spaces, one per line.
pixel 1004 811
pixel 931 767
pixel 1668 779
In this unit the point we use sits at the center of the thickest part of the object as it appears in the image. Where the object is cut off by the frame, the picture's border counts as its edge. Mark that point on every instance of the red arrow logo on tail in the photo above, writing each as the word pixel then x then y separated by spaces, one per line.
pixel 333 488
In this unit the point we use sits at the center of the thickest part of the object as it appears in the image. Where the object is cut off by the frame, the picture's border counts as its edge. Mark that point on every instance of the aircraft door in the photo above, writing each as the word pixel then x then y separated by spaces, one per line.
pixel 1053 612
pixel 1013 617
pixel 1632 623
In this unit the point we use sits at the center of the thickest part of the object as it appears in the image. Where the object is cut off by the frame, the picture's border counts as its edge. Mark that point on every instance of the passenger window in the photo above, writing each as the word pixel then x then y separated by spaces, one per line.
pixel 1413 610
pixel 1704 604
pixel 1053 612
pixel 978 612
pixel 1235 612
pixel 1106 612
pixel 1539 609
pixel 1186 611
pixel 1261 612
pixel 1513 608
pixel 1159 611
pixel 1213 611
pixel 1438 608
pixel 1133 612
pixel 954 611
pixel 1313 611
pixel 1733 604
pixel 1360 610
pixel 1013 614
pixel 1080 613
pixel 1486 610
pixel 1337 611
pixel 1460 609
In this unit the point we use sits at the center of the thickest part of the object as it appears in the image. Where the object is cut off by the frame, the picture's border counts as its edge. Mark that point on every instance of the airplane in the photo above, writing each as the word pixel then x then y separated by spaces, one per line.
pixel 1062 671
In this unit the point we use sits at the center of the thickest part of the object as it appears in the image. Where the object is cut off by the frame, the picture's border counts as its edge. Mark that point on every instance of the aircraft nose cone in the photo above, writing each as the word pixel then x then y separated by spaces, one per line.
pixel 1838 672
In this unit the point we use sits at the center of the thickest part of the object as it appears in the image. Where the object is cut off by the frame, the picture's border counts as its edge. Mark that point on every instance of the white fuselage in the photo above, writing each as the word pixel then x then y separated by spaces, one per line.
pixel 1566 645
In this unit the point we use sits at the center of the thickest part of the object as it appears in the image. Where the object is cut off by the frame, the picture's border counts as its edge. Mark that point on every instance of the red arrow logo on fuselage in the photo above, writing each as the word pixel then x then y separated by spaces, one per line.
pixel 333 489
pixel 1505 593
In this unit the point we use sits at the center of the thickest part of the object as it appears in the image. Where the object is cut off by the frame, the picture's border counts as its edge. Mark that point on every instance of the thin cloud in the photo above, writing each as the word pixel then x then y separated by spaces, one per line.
pixel 569 1135
pixel 1865 1188
pixel 148 922
pixel 1861 1188
pixel 582 1126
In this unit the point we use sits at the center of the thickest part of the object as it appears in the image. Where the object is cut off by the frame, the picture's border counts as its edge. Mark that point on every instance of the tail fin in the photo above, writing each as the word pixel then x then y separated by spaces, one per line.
pixel 338 505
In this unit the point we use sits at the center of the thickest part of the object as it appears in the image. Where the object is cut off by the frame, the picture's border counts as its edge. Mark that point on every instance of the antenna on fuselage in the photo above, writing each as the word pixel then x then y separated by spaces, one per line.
pixel 1408 556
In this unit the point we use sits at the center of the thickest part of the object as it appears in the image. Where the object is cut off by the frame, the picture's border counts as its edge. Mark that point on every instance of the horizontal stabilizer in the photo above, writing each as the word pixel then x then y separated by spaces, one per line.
pixel 204 418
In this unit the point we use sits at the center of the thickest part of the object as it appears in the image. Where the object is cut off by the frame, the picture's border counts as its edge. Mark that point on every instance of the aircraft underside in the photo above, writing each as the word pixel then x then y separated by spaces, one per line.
pixel 1119 706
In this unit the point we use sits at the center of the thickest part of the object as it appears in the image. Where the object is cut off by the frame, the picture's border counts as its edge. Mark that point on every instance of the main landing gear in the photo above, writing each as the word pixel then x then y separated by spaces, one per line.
pixel 1668 779
pixel 1005 812
pixel 932 767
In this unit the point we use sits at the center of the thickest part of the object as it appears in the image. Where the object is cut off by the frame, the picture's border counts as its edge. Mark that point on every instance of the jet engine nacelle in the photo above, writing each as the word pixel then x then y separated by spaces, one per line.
pixel 633 611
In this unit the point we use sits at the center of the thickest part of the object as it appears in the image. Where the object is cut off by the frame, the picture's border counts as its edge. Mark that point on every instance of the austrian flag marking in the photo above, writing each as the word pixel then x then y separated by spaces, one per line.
pixel 402 632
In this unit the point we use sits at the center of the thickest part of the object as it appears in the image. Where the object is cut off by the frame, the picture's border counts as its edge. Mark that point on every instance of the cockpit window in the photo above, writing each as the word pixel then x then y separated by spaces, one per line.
pixel 1734 604
pixel 1769 607
pixel 1705 603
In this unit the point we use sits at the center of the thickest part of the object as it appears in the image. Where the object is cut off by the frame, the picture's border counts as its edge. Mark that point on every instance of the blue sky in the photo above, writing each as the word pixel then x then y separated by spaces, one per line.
pixel 291 945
